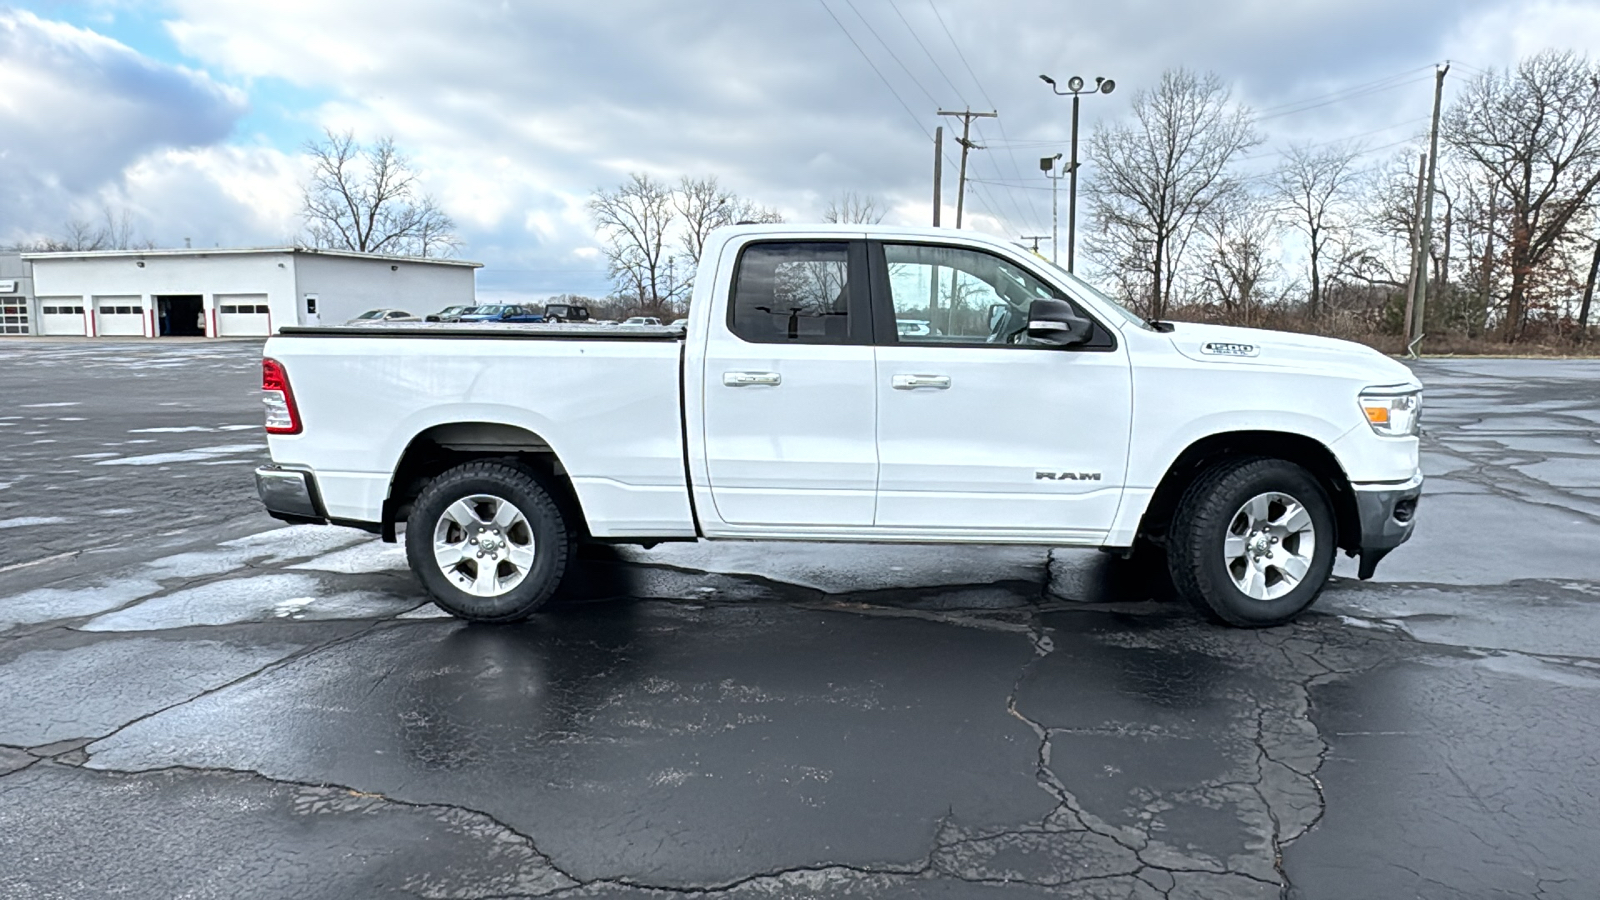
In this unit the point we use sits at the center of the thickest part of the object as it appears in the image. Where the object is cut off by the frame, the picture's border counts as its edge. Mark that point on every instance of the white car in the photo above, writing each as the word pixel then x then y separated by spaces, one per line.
pixel 375 316
pixel 642 320
pixel 795 408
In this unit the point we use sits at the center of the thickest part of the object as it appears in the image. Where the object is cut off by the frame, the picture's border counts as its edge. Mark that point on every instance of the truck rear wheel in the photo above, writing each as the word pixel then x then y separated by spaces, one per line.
pixel 1252 542
pixel 488 542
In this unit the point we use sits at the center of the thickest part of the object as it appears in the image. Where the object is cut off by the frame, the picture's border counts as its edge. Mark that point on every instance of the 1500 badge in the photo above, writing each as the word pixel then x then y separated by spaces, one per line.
pixel 1066 476
pixel 1223 348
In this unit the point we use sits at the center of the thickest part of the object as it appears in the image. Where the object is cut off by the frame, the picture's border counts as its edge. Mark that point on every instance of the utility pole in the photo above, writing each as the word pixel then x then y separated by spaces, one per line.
pixel 1427 208
pixel 1588 295
pixel 966 144
pixel 1416 241
pixel 1488 259
pixel 938 172
pixel 1047 165
pixel 1036 238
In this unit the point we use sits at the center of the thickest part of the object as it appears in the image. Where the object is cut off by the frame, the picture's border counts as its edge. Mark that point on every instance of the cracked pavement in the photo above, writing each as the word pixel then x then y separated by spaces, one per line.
pixel 197 702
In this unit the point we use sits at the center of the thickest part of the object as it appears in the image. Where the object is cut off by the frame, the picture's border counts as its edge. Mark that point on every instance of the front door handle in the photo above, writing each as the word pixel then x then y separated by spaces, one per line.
pixel 746 379
pixel 912 382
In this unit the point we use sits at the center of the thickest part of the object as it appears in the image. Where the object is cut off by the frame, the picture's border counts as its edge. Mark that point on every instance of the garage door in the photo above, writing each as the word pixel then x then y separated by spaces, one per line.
pixel 243 315
pixel 13 315
pixel 119 316
pixel 61 315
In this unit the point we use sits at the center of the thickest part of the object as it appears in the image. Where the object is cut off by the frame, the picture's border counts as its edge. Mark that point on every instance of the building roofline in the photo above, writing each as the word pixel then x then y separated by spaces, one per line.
pixel 243 251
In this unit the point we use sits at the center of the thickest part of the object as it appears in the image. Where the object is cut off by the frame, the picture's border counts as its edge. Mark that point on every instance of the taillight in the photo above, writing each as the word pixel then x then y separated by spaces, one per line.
pixel 283 417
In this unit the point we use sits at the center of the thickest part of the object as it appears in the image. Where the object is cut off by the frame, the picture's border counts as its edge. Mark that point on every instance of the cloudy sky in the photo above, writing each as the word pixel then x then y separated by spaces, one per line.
pixel 190 114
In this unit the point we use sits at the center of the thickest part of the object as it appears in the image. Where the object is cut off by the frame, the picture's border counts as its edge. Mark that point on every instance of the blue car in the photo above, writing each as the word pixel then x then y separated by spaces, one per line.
pixel 506 313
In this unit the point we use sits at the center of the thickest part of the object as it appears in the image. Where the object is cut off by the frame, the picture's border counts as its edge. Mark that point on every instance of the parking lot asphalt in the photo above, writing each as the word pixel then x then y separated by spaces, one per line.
pixel 196 702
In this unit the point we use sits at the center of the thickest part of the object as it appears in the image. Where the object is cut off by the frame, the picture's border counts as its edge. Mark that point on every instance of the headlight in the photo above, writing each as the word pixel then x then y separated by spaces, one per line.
pixel 1392 412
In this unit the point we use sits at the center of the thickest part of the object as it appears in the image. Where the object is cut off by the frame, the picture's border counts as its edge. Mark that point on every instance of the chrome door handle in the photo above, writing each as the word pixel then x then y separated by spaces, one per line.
pixel 746 379
pixel 912 382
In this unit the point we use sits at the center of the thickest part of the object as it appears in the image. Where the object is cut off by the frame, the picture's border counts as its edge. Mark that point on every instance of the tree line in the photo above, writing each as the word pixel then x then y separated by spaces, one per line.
pixel 1181 230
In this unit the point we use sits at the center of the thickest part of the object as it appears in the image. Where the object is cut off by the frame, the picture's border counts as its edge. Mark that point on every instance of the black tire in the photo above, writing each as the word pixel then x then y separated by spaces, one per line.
pixel 1201 525
pixel 551 540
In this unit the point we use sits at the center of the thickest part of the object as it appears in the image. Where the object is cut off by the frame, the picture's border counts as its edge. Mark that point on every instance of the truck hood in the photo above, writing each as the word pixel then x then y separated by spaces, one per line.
pixel 1284 349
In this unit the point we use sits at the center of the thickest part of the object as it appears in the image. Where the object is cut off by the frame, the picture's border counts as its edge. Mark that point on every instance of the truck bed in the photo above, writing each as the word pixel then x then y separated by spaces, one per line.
pixel 605 400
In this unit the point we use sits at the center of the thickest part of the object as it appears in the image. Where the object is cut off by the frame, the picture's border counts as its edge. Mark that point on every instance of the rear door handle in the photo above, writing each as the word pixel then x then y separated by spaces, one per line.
pixel 912 382
pixel 746 379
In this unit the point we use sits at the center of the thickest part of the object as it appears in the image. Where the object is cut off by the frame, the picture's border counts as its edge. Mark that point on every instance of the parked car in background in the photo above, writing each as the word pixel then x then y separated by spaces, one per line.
pixel 914 327
pixel 373 316
pixel 566 312
pixel 448 314
pixel 501 313
pixel 643 320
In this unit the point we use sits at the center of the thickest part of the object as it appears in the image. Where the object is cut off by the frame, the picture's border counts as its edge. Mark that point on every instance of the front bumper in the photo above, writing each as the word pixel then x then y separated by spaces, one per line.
pixel 1388 516
pixel 290 494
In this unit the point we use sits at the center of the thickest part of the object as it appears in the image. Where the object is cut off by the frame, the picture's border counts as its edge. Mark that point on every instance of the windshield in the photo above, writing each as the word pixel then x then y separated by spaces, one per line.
pixel 1085 287
pixel 371 314
pixel 487 310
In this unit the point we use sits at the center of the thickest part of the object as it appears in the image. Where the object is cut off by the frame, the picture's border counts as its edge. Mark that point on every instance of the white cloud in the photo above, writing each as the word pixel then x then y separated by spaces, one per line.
pixel 1498 36
pixel 223 195
pixel 77 108
pixel 514 111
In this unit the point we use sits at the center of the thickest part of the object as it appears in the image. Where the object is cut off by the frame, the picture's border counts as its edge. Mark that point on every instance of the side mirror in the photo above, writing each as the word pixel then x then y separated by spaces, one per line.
pixel 1054 322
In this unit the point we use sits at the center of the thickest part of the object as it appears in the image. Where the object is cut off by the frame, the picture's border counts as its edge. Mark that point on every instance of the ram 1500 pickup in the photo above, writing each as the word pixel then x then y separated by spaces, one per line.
pixel 1020 406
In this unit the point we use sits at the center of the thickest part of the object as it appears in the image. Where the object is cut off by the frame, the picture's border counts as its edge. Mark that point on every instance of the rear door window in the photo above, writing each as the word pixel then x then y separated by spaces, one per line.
pixel 808 292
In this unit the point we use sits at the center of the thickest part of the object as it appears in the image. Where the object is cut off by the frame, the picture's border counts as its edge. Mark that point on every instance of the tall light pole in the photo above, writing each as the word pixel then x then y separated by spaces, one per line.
pixel 1047 165
pixel 1075 89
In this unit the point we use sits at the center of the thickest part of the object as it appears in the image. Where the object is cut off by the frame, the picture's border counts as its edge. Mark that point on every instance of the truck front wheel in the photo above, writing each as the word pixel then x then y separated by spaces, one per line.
pixel 1252 542
pixel 487 542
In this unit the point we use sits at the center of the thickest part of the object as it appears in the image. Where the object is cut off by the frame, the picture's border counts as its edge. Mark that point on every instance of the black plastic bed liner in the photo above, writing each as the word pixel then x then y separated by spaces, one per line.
pixel 492 331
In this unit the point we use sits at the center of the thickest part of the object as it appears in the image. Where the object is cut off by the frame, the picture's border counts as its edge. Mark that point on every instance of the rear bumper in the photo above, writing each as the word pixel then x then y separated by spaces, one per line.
pixel 290 494
pixel 1388 516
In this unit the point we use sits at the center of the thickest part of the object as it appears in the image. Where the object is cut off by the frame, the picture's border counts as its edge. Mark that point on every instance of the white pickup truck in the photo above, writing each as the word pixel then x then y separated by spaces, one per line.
pixel 852 383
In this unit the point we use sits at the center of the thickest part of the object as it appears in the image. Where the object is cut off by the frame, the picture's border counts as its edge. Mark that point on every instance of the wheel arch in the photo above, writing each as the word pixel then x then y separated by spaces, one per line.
pixel 1306 452
pixel 441 447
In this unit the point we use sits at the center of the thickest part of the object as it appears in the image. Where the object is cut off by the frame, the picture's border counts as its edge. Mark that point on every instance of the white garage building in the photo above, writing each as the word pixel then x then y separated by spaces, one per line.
pixel 231 293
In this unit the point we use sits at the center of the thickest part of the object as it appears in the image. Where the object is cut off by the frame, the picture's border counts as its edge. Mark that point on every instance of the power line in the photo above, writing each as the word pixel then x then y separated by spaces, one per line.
pixel 1010 198
pixel 1010 154
pixel 925 52
pixel 959 54
pixel 987 204
pixel 1355 87
pixel 903 105
pixel 920 86
pixel 1337 140
pixel 892 55
pixel 1340 99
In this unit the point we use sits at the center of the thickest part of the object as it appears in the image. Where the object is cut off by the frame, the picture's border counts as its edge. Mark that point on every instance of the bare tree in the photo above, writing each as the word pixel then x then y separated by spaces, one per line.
pixel 636 219
pixel 1316 186
pixel 754 213
pixel 114 231
pixel 642 218
pixel 1237 259
pixel 1536 131
pixel 705 207
pixel 365 199
pixel 854 209
pixel 1159 176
